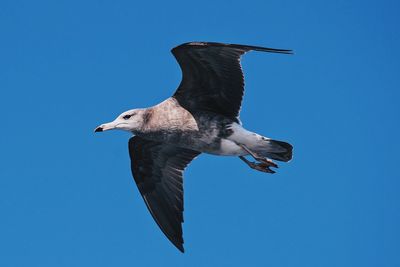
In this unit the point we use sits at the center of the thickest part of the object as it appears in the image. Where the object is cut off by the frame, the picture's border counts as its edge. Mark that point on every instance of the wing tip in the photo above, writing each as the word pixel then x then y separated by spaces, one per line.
pixel 274 50
pixel 238 46
pixel 180 247
pixel 176 240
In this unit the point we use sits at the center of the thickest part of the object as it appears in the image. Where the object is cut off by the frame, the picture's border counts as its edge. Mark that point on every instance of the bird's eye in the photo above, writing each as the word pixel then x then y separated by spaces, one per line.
pixel 126 117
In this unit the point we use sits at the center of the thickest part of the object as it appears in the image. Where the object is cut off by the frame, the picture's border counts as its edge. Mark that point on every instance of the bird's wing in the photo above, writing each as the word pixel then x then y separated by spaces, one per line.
pixel 157 169
pixel 212 77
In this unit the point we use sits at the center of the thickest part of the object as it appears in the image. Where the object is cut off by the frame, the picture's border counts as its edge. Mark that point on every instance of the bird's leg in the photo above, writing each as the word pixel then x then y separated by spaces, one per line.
pixel 259 166
pixel 264 160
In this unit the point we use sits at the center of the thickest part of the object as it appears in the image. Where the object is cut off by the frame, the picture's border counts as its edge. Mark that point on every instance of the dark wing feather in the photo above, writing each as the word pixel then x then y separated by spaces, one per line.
pixel 212 77
pixel 157 169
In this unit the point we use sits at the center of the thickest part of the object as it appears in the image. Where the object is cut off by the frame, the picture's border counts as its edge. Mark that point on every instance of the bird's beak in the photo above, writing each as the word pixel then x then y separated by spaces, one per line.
pixel 105 127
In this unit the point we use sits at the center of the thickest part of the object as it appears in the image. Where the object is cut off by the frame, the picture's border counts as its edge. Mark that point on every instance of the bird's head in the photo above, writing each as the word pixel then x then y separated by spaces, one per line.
pixel 131 120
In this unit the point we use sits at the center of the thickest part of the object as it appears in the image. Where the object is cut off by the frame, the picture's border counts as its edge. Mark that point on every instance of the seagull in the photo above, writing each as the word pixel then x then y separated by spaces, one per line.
pixel 201 117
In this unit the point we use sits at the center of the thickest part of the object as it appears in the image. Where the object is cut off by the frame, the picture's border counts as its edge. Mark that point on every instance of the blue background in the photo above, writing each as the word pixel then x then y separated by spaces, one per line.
pixel 67 197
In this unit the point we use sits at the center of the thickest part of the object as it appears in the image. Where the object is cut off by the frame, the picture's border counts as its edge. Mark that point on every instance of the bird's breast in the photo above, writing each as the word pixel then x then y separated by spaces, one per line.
pixel 168 117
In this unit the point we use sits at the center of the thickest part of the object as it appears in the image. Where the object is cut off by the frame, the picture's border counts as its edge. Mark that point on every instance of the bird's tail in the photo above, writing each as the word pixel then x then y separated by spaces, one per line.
pixel 275 149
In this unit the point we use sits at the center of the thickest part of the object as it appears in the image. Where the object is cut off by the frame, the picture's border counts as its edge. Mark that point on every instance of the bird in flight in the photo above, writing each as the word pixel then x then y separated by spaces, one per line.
pixel 201 117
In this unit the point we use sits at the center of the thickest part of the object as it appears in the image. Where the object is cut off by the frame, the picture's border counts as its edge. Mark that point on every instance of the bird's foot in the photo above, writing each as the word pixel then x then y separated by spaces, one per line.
pixel 262 166
pixel 268 162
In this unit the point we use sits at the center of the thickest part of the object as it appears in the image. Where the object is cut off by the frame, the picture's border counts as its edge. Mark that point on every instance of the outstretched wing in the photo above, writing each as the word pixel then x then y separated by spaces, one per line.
pixel 157 169
pixel 212 77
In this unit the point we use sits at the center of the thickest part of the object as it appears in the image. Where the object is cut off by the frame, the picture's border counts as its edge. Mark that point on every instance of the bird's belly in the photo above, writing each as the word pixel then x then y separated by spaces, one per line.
pixel 228 148
pixel 221 147
pixel 206 143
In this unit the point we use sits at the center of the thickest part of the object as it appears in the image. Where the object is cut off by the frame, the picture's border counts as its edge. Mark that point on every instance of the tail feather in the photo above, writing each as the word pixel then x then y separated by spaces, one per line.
pixel 277 150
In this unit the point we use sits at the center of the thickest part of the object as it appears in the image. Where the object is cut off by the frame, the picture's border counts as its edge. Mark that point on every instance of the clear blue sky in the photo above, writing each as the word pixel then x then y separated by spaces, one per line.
pixel 67 197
